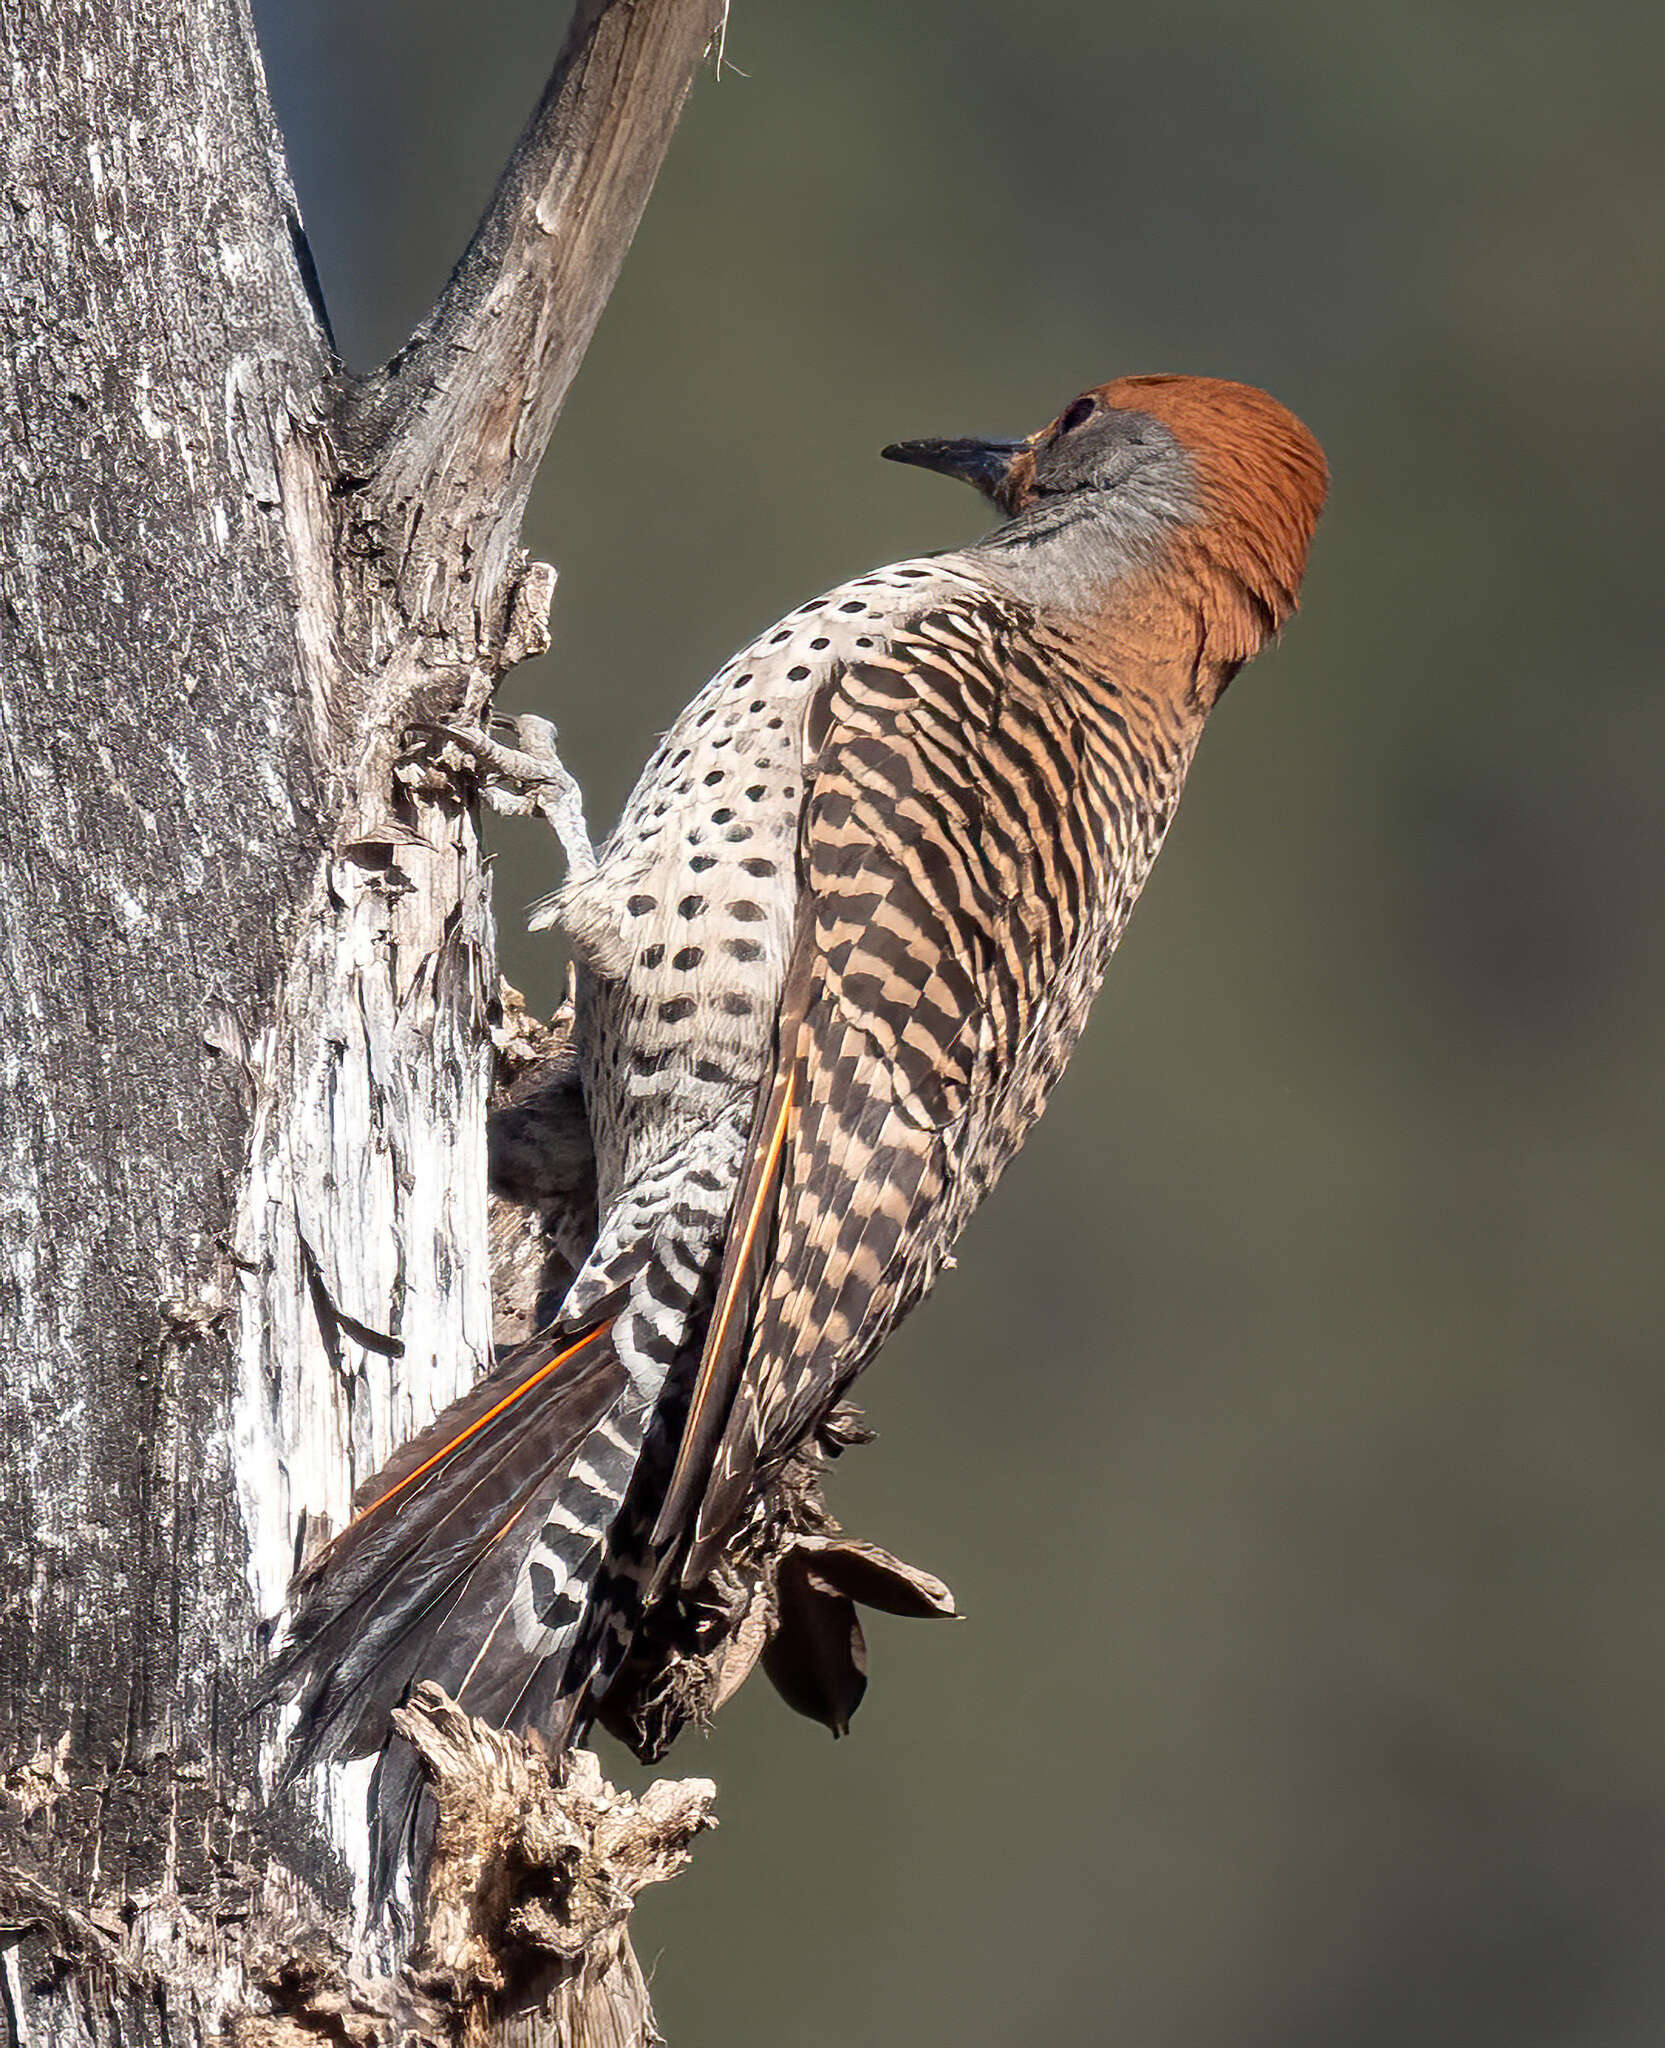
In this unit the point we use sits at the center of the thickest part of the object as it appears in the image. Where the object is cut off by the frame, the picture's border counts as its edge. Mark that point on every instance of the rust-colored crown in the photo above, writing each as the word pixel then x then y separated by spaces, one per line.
pixel 1263 479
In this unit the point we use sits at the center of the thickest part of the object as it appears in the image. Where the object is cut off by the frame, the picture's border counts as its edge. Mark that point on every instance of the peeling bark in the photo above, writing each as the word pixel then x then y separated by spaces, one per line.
pixel 247 987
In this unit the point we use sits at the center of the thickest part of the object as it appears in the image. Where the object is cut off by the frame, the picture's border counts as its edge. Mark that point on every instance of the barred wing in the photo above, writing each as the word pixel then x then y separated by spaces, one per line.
pixel 955 860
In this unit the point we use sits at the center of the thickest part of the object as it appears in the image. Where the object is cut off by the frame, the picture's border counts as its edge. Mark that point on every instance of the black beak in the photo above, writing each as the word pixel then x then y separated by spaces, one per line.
pixel 983 463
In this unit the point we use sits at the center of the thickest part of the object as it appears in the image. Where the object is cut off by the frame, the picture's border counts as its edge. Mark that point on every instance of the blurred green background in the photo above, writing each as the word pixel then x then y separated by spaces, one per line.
pixel 1293 1431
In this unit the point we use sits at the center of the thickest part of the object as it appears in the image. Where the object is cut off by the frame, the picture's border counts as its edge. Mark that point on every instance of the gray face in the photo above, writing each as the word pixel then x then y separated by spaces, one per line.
pixel 1108 488
pixel 1084 506
pixel 1095 448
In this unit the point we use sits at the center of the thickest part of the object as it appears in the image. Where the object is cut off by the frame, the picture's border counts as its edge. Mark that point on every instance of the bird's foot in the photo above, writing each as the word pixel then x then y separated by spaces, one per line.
pixel 526 778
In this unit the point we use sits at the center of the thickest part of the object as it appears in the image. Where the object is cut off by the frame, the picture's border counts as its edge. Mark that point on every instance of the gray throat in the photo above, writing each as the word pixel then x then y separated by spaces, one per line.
pixel 1067 553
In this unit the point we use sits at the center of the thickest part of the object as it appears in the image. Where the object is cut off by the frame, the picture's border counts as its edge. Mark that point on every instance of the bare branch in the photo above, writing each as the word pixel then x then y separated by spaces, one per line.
pixel 457 422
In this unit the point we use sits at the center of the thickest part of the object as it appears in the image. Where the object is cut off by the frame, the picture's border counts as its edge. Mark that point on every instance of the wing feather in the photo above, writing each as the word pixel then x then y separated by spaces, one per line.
pixel 746 1259
pixel 932 927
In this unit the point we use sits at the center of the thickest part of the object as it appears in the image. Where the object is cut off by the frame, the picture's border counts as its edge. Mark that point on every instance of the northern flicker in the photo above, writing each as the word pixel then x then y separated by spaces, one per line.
pixel 830 965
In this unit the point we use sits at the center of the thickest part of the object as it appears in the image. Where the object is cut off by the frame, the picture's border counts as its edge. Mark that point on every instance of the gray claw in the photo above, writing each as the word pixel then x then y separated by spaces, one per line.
pixel 529 777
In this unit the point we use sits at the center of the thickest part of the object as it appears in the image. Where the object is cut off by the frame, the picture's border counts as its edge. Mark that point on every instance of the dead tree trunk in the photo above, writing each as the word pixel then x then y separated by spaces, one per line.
pixel 247 987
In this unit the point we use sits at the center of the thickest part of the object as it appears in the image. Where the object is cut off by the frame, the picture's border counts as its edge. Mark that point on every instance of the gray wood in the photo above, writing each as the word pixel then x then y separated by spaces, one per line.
pixel 247 985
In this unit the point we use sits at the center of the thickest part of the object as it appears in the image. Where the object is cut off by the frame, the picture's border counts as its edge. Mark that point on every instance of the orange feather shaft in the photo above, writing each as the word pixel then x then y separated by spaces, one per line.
pixel 772 1160
pixel 479 1423
pixel 719 1327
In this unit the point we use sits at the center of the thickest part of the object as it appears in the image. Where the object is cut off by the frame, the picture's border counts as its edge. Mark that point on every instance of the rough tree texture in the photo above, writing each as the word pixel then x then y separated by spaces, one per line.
pixel 246 976
pixel 535 1868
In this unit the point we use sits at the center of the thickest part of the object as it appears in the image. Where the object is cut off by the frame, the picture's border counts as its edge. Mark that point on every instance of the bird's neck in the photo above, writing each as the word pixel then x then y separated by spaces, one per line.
pixel 1071 557
pixel 1101 570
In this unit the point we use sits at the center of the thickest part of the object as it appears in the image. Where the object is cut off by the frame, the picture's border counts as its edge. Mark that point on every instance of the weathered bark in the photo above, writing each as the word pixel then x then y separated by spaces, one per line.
pixel 161 810
pixel 246 976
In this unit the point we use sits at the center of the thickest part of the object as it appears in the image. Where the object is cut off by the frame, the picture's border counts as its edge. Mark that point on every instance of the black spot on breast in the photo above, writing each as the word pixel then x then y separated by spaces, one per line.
pixel 743 949
pixel 652 955
pixel 702 861
pixel 746 912
pixel 677 1011
pixel 687 956
pixel 712 780
pixel 690 906
pixel 645 1063
pixel 639 906
pixel 799 674
pixel 711 1070
pixel 722 815
pixel 734 1004
pixel 738 833
pixel 758 704
pixel 756 793
pixel 757 865
pixel 852 604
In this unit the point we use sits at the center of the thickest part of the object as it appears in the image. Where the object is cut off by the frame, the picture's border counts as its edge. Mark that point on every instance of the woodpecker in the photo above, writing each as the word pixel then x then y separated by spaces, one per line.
pixel 830 965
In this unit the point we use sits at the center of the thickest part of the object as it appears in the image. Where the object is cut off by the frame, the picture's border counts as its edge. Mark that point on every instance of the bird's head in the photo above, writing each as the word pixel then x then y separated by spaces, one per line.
pixel 1210 486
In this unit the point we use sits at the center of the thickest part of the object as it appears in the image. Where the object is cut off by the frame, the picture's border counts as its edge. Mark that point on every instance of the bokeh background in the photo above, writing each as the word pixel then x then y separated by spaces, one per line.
pixel 1293 1430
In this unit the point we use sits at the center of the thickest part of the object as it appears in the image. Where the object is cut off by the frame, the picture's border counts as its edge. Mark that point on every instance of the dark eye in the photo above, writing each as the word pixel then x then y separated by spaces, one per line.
pixel 1078 415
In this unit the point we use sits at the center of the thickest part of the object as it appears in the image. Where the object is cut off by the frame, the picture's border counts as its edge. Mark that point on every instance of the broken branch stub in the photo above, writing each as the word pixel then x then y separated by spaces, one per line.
pixel 535 1867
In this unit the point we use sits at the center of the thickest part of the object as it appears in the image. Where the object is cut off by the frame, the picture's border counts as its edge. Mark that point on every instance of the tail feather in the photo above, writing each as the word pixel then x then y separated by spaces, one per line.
pixel 479 1557
pixel 428 1567
pixel 423 1635
pixel 401 1820
pixel 406 1543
